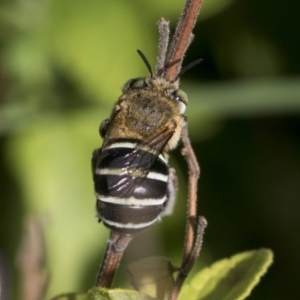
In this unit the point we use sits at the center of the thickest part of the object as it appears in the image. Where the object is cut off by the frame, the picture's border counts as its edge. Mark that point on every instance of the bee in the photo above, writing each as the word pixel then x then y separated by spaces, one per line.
pixel 133 183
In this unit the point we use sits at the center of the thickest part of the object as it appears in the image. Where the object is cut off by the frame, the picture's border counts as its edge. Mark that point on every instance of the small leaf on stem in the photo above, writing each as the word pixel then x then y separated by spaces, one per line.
pixel 120 294
pixel 229 279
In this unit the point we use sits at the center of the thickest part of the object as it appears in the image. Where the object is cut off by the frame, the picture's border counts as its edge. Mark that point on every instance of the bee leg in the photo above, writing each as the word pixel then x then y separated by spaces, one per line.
pixel 171 193
pixel 103 128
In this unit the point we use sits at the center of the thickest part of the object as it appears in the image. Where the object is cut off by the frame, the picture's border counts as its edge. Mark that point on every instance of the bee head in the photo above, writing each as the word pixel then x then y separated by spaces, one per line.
pixel 169 88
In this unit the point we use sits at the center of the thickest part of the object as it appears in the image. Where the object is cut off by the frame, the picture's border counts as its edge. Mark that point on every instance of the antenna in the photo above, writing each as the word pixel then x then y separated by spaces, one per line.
pixel 189 66
pixel 142 55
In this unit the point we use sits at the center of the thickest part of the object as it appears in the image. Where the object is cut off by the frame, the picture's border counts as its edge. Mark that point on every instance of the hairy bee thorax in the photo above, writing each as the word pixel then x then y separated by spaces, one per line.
pixel 147 106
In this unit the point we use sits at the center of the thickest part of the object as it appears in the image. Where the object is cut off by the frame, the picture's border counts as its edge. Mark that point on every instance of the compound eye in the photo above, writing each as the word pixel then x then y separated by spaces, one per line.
pixel 182 99
pixel 136 83
pixel 181 96
pixel 103 128
pixel 139 83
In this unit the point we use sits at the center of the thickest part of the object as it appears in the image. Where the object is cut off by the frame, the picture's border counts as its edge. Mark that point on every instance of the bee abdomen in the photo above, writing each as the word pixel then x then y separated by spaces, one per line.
pixel 129 202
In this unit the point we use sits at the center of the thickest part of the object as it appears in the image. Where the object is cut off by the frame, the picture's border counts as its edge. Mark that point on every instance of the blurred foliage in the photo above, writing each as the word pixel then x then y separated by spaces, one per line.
pixel 226 279
pixel 62 64
pixel 153 276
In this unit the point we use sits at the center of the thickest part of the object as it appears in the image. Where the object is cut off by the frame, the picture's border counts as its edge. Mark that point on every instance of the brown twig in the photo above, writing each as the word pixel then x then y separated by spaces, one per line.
pixel 194 228
pixel 30 260
pixel 116 245
pixel 182 37
pixel 189 263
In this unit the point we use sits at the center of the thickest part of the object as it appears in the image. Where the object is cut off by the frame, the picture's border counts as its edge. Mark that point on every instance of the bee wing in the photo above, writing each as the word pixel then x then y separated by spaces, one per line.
pixel 138 163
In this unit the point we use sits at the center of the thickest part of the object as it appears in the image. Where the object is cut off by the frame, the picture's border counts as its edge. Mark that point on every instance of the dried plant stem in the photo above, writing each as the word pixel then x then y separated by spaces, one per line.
pixel 116 246
pixel 30 260
pixel 164 34
pixel 182 37
pixel 189 263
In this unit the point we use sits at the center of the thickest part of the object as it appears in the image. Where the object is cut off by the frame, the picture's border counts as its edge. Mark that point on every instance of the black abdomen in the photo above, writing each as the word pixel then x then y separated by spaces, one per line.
pixel 131 186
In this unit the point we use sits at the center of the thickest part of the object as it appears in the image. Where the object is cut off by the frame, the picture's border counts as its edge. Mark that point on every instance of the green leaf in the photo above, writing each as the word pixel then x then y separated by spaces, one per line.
pixel 229 279
pixel 120 294
pixel 152 276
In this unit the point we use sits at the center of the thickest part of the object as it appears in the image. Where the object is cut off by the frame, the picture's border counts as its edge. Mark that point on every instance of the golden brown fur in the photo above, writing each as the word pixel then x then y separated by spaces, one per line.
pixel 146 112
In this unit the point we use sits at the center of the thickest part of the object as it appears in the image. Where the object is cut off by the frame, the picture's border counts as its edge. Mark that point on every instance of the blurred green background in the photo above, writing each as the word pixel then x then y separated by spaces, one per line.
pixel 62 65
